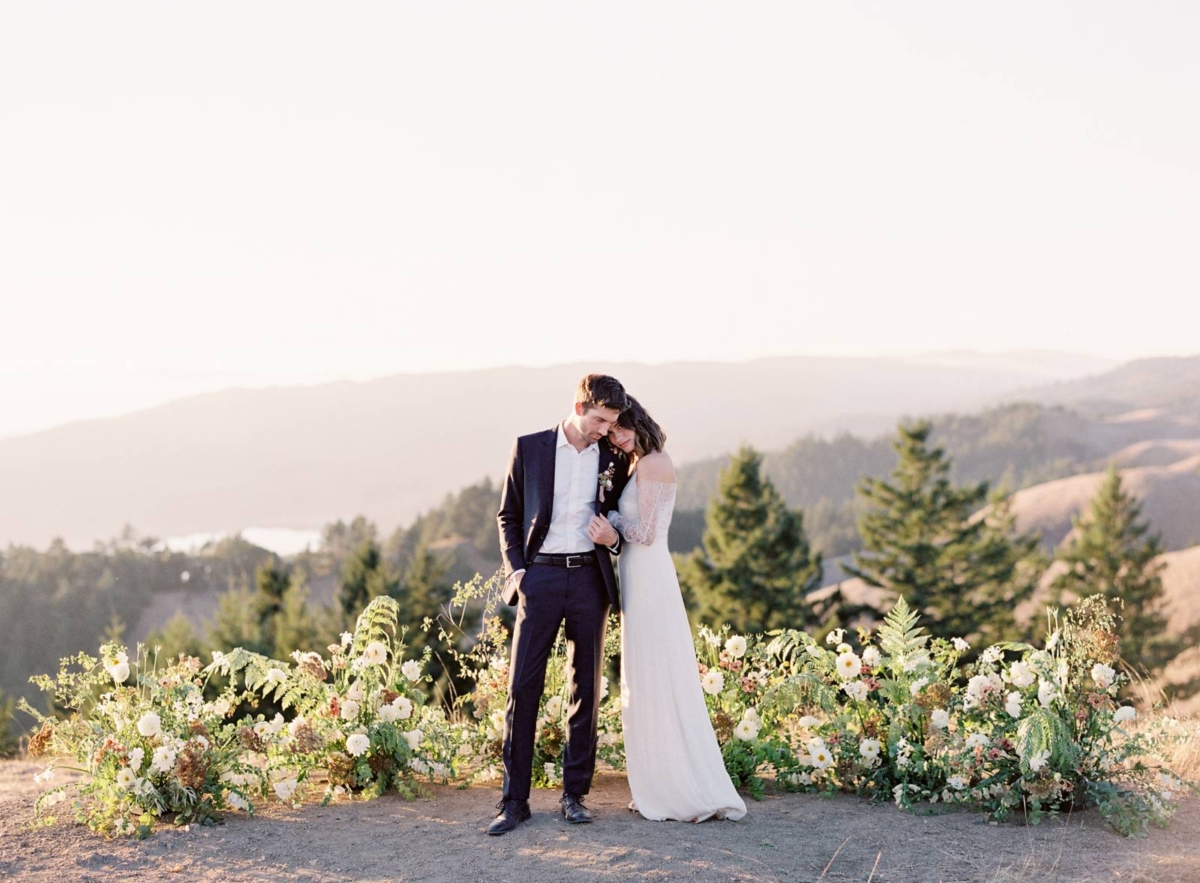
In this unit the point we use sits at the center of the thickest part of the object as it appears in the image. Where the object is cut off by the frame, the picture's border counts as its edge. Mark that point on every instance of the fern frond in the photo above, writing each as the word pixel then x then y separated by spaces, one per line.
pixel 899 635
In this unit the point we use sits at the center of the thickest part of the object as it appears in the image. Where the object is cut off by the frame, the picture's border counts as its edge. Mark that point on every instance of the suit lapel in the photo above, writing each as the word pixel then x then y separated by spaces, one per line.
pixel 546 476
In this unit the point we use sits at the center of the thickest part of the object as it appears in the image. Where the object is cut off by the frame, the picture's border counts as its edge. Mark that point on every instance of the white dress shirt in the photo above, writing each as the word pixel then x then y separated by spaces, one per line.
pixel 576 479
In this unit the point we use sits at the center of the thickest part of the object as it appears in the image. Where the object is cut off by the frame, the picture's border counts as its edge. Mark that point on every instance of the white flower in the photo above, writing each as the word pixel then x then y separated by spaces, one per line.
pixel 752 716
pixel 277 723
pixel 815 744
pixel 958 783
pixel 357 744
pixel 869 748
pixel 746 730
pixel 126 778
pixel 603 686
pixel 550 771
pixel 1038 761
pixel 821 758
pixel 163 760
pixel 286 788
pixel 404 707
pixel 346 639
pixel 411 670
pixel 977 740
pixel 917 686
pixel 388 713
pixel 1020 674
pixel 553 707
pixel 237 801
pixel 276 676
pixel 1013 704
pixel 355 692
pixel 349 710
pixel 835 636
pixel 848 666
pixel 117 664
pixel 960 645
pixel 45 775
pixel 1046 693
pixel 149 725
pixel 221 707
pixel 991 655
pixel 980 687
pixel 414 739
pixel 809 721
pixel 136 756
pixel 376 653
pixel 1103 675
pixel 736 646
pixel 713 682
pixel 813 650
pixel 871 656
pixel 1124 713
pixel 856 690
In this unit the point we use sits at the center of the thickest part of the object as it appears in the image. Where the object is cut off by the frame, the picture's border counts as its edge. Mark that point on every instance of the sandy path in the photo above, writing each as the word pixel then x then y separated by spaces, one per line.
pixel 786 837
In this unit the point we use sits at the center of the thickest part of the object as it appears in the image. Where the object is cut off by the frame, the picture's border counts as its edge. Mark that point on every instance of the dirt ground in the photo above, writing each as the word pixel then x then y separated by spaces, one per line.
pixel 786 837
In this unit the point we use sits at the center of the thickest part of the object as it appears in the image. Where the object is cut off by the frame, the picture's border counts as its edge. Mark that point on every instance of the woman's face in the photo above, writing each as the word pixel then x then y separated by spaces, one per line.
pixel 622 438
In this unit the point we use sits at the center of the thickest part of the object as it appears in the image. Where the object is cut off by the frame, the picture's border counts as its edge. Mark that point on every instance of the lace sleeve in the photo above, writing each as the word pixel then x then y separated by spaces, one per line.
pixel 655 502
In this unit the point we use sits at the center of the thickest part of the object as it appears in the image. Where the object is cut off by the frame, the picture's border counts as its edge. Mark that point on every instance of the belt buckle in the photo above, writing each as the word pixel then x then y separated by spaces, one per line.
pixel 571 566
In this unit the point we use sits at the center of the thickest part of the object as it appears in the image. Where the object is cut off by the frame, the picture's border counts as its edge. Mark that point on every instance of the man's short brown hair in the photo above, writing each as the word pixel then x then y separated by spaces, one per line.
pixel 601 391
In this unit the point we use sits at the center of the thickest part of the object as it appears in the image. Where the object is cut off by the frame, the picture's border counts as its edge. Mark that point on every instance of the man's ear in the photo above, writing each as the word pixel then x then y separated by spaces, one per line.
pixel 580 409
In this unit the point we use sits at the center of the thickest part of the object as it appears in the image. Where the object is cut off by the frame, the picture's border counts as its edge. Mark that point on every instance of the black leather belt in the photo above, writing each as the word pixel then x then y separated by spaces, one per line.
pixel 581 559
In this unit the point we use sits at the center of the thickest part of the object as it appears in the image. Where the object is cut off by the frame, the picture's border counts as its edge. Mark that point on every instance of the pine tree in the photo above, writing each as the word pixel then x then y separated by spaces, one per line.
pixel 365 575
pixel 294 627
pixel 755 566
pixel 1112 553
pixel 271 582
pixel 963 571
pixel 177 636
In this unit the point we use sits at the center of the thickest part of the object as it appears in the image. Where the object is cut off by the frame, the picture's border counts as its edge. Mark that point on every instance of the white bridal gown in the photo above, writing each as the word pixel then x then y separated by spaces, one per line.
pixel 672 757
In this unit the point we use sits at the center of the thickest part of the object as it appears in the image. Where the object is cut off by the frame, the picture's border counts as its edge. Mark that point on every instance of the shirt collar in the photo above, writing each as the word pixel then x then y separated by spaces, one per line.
pixel 563 440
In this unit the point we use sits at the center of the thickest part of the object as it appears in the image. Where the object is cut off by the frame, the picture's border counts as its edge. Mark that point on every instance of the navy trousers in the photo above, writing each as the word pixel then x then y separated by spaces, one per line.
pixel 550 595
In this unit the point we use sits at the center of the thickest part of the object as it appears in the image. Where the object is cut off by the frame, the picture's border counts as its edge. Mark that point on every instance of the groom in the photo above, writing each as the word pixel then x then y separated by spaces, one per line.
pixel 556 551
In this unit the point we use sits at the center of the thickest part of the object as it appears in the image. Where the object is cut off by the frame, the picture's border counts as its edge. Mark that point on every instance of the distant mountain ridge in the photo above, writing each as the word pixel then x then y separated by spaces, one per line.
pixel 299 457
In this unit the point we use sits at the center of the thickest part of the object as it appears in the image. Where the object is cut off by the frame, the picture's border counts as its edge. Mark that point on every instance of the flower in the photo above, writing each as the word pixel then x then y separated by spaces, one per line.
pixel 136 756
pixel 809 721
pixel 603 686
pixel 917 686
pixel 960 645
pixel 117 666
pixel 404 707
pixel 286 788
pixel 980 687
pixel 752 716
pixel 163 760
pixel 957 782
pixel 355 693
pixel 813 650
pixel 1020 674
pixel 414 739
pixel 1038 761
pixel 1046 693
pixel 357 744
pixel 940 719
pixel 388 713
pixel 977 740
pixel 835 636
pixel 736 646
pixel 237 801
pixel 349 710
pixel 855 690
pixel 869 748
pixel 605 480
pixel 276 676
pixel 821 758
pixel 871 656
pixel 346 639
pixel 1124 713
pixel 126 778
pixel 553 708
pixel 221 707
pixel 746 730
pixel 848 666
pixel 1103 675
pixel 991 655
pixel 411 670
pixel 149 725
pixel 1013 704
pixel 713 682
pixel 376 653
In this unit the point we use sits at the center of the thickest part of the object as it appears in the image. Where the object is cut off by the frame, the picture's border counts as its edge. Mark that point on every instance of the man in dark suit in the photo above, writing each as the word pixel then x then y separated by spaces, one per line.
pixel 556 547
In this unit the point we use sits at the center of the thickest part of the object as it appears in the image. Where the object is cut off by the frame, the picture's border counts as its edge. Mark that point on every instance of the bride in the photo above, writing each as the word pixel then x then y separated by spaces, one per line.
pixel 672 757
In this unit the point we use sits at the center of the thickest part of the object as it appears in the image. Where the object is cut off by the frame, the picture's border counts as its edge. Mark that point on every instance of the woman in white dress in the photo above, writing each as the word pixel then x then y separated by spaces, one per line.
pixel 671 753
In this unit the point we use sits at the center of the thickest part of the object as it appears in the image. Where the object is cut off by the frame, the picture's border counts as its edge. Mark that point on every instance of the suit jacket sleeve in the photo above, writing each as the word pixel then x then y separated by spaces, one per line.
pixel 511 517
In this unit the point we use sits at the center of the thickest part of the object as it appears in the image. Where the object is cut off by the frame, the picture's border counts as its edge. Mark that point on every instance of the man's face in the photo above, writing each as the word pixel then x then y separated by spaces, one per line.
pixel 595 422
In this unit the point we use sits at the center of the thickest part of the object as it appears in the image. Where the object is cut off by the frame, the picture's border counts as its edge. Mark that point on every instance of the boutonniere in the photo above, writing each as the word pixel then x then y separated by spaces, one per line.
pixel 605 479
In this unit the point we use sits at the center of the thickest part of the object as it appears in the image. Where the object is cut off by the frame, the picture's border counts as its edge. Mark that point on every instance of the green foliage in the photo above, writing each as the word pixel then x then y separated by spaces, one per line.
pixel 924 539
pixel 899 635
pixel 1113 554
pixel 756 566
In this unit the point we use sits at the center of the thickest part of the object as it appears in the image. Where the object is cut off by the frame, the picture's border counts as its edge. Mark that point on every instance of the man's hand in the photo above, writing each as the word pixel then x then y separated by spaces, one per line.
pixel 601 532
pixel 514 580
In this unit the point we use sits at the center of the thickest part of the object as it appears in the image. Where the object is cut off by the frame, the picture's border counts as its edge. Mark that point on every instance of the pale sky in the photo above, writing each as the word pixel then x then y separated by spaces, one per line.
pixel 194 196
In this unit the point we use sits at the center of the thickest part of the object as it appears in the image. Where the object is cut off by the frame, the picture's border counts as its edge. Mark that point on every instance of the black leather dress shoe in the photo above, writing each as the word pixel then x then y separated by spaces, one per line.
pixel 512 813
pixel 574 811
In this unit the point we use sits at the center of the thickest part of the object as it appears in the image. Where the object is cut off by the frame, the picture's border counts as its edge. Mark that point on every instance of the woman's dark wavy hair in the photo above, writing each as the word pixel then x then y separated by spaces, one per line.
pixel 648 435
